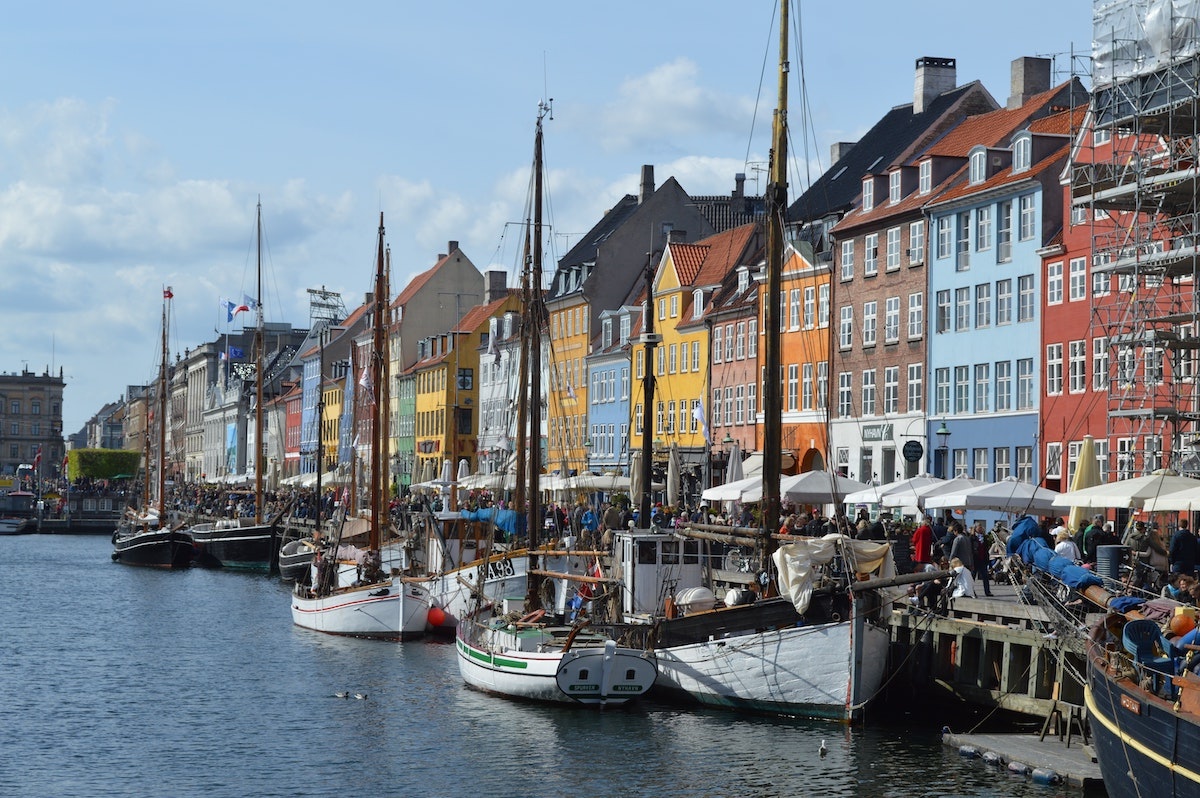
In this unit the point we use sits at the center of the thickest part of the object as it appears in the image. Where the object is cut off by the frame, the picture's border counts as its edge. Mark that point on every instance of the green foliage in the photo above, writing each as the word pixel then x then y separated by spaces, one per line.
pixel 102 463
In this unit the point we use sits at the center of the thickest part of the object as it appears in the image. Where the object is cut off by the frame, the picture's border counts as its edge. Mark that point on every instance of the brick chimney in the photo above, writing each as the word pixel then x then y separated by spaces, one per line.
pixel 838 149
pixel 495 286
pixel 1029 76
pixel 647 187
pixel 934 76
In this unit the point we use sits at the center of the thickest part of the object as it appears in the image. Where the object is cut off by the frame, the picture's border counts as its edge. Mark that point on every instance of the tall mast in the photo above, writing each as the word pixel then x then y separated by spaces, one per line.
pixel 536 315
pixel 320 415
pixel 650 340
pixel 161 477
pixel 259 345
pixel 522 434
pixel 378 376
pixel 772 388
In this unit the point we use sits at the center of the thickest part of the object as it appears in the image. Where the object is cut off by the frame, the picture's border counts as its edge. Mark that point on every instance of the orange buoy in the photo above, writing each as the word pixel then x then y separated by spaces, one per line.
pixel 436 617
pixel 1182 624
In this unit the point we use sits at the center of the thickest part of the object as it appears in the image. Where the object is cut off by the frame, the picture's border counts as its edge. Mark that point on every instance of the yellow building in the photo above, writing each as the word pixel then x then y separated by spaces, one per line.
pixel 447 391
pixel 332 393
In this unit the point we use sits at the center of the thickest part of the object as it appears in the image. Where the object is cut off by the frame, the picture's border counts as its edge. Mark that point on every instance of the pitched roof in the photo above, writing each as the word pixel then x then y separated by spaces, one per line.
pixel 418 282
pixel 476 315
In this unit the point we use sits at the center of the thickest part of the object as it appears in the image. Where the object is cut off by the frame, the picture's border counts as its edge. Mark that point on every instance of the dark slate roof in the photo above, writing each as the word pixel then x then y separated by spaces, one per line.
pixel 725 212
pixel 836 190
pixel 585 251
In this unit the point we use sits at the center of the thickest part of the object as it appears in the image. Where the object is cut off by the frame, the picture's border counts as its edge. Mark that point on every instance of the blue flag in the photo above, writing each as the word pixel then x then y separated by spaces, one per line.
pixel 235 352
pixel 228 306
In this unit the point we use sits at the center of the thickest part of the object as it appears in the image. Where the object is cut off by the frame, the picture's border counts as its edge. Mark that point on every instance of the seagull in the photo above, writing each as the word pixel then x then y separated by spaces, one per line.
pixel 823 749
pixel 341 694
pixel 360 696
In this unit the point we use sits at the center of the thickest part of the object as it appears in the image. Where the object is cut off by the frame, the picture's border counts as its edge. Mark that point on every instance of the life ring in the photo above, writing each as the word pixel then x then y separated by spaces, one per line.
pixel 533 617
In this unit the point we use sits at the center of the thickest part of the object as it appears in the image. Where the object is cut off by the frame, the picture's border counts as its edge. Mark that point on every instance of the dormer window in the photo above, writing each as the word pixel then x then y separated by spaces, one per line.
pixel 925 177
pixel 978 168
pixel 1022 152
pixel 626 324
pixel 868 194
pixel 894 187
pixel 743 280
pixel 697 303
pixel 606 333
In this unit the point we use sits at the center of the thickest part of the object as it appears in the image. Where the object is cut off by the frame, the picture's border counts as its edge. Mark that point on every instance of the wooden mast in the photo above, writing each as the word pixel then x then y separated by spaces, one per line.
pixel 378 377
pixel 776 196
pixel 536 317
pixel 650 340
pixel 521 433
pixel 259 378
pixel 161 476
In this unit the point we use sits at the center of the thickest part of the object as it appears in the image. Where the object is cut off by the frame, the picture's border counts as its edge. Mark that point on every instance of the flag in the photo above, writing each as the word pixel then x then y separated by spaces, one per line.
pixel 364 380
pixel 167 294
pixel 239 309
pixel 570 390
pixel 698 414
pixel 248 303
pixel 37 458
pixel 236 352
pixel 228 306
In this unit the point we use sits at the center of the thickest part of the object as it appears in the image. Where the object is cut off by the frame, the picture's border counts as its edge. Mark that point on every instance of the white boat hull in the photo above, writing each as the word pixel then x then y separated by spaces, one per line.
pixel 817 671
pixel 390 610
pixel 505 579
pixel 524 664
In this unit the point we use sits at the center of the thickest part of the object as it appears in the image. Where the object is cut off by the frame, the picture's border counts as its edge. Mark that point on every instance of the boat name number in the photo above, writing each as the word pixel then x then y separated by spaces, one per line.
pixel 500 569
pixel 1132 704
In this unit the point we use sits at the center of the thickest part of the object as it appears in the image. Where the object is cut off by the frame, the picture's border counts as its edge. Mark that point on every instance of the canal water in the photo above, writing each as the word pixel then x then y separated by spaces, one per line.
pixel 120 681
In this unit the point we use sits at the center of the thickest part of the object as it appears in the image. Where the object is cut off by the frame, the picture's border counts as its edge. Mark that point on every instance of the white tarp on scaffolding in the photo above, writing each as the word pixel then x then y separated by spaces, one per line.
pixel 1131 37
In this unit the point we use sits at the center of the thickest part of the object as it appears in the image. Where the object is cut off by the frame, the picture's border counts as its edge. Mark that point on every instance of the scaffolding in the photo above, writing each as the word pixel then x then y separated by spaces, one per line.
pixel 1135 177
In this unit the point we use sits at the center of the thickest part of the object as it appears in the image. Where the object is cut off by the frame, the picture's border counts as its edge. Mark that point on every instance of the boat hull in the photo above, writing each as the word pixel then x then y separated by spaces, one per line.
pixel 155 548
pixel 248 548
pixel 389 610
pixel 826 670
pixel 1143 744
pixel 295 560
pixel 492 660
pixel 505 578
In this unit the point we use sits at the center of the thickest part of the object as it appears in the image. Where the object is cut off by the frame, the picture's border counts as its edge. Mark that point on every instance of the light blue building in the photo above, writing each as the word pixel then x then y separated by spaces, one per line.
pixel 609 391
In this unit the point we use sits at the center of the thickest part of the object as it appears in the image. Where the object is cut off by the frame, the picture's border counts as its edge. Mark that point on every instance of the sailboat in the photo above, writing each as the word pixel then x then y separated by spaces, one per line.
pixel 375 604
pixel 246 543
pixel 801 633
pixel 146 538
pixel 518 654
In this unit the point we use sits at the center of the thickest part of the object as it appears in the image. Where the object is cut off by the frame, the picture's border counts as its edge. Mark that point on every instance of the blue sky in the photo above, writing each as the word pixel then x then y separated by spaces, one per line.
pixel 136 138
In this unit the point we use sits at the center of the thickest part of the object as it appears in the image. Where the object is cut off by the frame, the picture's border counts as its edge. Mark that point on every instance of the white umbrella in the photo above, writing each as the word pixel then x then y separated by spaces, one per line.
pixel 734 491
pixel 1127 492
pixel 464 469
pixel 1187 500
pixel 673 476
pixel 903 489
pixel 608 483
pixel 920 495
pixel 818 487
pixel 733 471
pixel 447 472
pixel 636 486
pixel 1008 495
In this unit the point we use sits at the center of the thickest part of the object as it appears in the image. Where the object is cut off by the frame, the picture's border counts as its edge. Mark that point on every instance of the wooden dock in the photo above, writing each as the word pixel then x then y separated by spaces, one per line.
pixel 1050 760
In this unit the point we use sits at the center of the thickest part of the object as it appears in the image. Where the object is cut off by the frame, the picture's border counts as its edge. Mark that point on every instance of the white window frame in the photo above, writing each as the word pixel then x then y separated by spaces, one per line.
pixel 916 315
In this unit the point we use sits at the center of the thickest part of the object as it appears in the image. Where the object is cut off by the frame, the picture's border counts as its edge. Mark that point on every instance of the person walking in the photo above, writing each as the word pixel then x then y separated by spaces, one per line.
pixel 922 546
pixel 1183 550
pixel 980 568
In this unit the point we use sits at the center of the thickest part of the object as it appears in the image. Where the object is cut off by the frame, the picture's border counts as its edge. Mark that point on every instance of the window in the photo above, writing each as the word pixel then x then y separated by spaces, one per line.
pixel 716 407
pixel 868 392
pixel 868 193
pixel 659 417
pixel 844 389
pixel 823 305
pixel 945 237
pixel 739 398
pixel 1004 302
pixel 718 343
pixel 626 324
pixel 1003 463
pixel 674 305
pixel 983 305
pixel 1025 384
pixel 916 242
pixel 662 360
pixel 983 228
pixel 891 320
pixel 871 255
pixel 960 463
pixel 624 383
pixel 793 297
pixel 662 309
pixel 698 302
pixel 1101 136
pixel 741 340
pixel 728 405
pixel 810 307
pixel 14 407
pixel 962 246
pixel 979 459
pixel 1154 366
pixel 1025 463
pixel 891 390
pixel 983 388
pixel 977 170
pixel 1078 279
pixel 846 328
pixel 941 388
pixel 1004 400
pixel 943 311
pixel 751 403
pixel 848 260
pixel 1099 363
pixel 1053 459
pixel 916 398
pixel 925 176
pixel 893 249
pixel 894 195
pixel 670 417
pixel 673 360
pixel 729 343
pixel 962 309
pixel 916 315
pixel 1077 354
pixel 751 340
pixel 868 325
pixel 1054 369
pixel 793 386
pixel 1022 153
pixel 806 387
pixel 1004 233
pixel 1028 217
pixel 606 333
pixel 962 389
pixel 822 383
pixel 1101 280
pixel 1025 307
pixel 35 407
pixel 1054 283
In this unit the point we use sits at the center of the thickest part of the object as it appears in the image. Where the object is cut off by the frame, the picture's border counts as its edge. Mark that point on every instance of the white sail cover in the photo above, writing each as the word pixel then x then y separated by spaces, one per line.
pixel 795 563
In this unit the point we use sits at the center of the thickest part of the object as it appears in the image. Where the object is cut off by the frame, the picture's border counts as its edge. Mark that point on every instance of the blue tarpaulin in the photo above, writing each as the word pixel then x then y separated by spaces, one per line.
pixel 1026 542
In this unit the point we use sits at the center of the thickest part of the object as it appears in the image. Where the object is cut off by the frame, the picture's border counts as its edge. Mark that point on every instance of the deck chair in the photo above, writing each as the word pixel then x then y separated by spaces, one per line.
pixel 1145 641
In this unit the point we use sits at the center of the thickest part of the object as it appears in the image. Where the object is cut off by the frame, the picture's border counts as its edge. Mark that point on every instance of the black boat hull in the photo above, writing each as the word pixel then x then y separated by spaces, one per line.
pixel 249 548
pixel 156 548
pixel 1143 744
pixel 295 561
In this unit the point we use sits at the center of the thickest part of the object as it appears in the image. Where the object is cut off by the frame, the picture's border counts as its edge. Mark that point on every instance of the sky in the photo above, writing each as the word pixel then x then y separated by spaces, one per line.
pixel 136 139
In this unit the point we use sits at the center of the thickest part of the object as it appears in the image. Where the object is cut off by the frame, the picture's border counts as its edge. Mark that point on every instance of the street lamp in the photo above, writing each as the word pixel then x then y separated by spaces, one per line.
pixel 943 436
